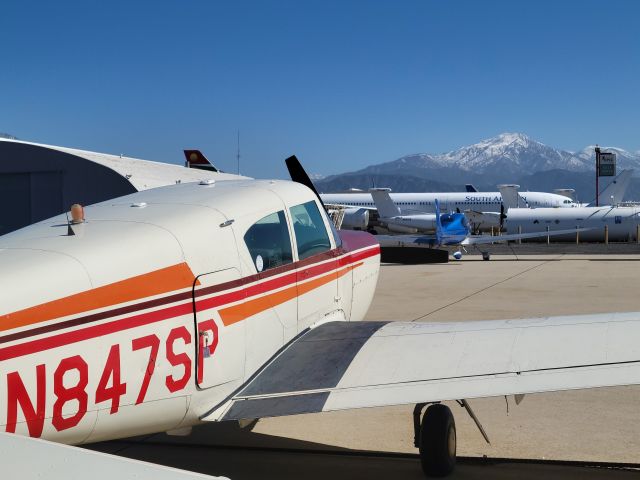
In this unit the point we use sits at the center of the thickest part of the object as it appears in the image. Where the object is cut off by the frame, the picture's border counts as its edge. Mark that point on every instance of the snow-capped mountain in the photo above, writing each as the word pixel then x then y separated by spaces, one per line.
pixel 505 158
pixel 512 151
pixel 508 154
pixel 624 158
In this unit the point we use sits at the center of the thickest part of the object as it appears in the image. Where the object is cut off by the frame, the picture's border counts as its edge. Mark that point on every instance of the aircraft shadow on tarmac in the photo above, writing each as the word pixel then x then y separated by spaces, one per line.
pixel 240 454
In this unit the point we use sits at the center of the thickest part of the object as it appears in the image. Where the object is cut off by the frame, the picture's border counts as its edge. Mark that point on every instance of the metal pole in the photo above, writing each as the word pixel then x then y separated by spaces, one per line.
pixel 519 233
pixel 638 233
pixel 548 235
pixel 577 235
pixel 238 154
pixel 597 174
pixel 606 234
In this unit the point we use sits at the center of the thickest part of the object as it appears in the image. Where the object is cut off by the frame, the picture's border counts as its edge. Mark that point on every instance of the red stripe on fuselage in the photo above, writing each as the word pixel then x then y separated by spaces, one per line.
pixel 67 338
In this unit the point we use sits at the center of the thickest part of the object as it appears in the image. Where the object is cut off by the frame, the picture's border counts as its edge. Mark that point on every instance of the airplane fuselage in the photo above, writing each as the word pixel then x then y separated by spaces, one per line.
pixel 410 203
pixel 621 222
pixel 151 313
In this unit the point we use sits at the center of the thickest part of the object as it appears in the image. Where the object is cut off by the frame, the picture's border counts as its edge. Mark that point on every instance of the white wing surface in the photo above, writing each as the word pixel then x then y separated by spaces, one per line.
pixel 341 365
pixel 484 239
pixel 27 458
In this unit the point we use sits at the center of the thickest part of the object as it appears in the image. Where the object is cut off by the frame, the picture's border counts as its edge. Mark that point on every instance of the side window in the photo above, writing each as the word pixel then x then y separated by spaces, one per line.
pixel 268 242
pixel 311 234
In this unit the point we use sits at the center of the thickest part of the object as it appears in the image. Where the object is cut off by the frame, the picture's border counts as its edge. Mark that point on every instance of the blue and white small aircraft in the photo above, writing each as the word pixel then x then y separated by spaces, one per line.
pixel 450 229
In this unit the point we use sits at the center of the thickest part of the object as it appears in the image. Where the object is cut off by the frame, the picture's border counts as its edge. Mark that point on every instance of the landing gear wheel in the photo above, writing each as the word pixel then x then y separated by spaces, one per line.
pixel 486 256
pixel 438 441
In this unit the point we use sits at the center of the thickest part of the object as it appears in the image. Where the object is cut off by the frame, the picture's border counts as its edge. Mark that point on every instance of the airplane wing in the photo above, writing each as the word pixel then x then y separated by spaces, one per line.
pixel 480 239
pixel 407 240
pixel 340 205
pixel 30 458
pixel 344 365
pixel 431 240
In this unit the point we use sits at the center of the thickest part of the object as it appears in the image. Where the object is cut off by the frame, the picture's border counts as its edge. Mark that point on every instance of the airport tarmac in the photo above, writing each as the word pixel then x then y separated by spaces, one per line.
pixel 593 426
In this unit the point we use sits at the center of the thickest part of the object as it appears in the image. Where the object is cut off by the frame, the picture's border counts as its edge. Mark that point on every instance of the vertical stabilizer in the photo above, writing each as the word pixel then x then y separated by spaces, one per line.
pixel 510 196
pixel 386 207
pixel 196 159
pixel 614 192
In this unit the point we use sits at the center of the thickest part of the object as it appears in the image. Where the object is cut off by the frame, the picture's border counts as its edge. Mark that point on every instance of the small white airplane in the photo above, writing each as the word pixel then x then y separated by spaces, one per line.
pixel 237 300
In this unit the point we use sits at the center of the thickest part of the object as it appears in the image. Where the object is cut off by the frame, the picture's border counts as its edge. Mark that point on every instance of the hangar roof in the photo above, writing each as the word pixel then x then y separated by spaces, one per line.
pixel 142 174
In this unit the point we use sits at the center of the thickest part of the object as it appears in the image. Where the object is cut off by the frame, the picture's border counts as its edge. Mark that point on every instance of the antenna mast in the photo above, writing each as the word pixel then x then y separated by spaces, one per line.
pixel 238 153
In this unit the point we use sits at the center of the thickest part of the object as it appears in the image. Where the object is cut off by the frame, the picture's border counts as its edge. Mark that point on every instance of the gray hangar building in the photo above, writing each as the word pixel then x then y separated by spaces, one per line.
pixel 40 181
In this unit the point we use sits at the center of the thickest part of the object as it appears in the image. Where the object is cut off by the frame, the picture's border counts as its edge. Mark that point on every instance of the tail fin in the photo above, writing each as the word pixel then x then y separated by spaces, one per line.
pixel 470 188
pixel 510 196
pixel 614 193
pixel 439 231
pixel 196 159
pixel 386 207
pixel 566 192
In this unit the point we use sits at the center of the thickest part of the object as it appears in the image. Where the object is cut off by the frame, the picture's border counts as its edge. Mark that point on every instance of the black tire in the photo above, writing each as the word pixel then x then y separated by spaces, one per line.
pixel 438 441
pixel 486 256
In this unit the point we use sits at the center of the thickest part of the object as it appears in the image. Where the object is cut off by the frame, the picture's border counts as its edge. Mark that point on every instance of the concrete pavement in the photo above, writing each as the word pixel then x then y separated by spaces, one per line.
pixel 601 425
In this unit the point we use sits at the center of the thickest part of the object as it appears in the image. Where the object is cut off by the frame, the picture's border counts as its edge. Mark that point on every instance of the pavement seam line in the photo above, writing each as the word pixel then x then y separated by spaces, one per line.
pixel 487 288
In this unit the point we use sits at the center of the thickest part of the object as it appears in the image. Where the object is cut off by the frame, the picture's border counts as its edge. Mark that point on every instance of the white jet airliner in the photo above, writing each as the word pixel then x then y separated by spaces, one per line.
pixel 449 201
pixel 618 224
pixel 235 300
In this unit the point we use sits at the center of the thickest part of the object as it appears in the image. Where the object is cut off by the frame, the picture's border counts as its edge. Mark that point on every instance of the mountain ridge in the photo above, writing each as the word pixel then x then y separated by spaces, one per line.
pixel 505 158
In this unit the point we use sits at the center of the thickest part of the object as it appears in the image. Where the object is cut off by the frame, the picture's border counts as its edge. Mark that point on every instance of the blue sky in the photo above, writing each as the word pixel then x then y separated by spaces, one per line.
pixel 342 84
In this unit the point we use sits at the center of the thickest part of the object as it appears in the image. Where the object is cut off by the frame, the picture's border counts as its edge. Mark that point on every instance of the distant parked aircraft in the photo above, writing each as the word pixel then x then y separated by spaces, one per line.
pixel 450 228
pixel 449 201
pixel 621 222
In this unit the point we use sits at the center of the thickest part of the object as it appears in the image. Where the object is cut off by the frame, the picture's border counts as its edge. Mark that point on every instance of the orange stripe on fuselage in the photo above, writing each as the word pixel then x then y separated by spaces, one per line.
pixel 149 284
pixel 246 309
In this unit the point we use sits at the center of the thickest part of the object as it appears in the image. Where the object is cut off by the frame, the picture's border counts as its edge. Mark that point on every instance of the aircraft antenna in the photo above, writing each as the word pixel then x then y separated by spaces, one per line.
pixel 238 153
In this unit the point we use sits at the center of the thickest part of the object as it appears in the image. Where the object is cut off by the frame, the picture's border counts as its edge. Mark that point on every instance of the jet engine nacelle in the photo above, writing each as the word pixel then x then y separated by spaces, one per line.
pixel 355 219
pixel 395 228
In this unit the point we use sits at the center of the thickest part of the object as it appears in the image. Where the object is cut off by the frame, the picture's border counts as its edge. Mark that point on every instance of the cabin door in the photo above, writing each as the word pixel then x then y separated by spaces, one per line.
pixel 220 342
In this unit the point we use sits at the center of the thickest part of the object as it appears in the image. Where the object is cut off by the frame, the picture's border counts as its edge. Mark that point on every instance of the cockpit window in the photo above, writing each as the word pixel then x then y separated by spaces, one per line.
pixel 268 242
pixel 311 234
